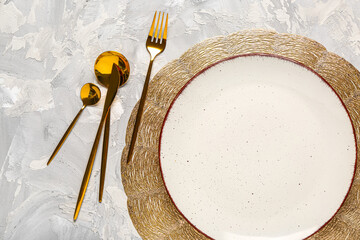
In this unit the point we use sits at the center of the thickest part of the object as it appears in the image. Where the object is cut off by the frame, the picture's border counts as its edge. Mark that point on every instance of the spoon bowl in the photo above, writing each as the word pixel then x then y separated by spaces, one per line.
pixel 90 94
pixel 103 66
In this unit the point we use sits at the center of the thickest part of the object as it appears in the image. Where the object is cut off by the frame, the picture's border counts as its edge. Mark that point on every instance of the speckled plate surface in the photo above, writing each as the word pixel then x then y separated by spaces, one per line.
pixel 151 209
pixel 257 146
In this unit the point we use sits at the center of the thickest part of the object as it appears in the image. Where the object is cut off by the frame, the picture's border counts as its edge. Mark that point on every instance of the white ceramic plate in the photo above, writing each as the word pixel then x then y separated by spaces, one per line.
pixel 257 147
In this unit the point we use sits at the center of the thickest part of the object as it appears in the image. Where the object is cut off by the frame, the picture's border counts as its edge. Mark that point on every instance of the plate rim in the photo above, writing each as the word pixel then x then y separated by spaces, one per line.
pixel 261 54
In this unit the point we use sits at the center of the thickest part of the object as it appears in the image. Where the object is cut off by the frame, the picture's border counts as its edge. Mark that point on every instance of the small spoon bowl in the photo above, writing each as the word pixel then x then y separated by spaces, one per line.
pixel 90 94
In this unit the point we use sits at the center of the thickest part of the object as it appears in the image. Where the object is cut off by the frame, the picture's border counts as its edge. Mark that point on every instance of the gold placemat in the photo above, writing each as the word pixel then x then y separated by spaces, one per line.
pixel 150 208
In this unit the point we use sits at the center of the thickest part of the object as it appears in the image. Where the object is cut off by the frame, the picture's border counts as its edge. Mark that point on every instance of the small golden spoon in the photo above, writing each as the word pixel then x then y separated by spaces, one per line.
pixel 102 68
pixel 90 94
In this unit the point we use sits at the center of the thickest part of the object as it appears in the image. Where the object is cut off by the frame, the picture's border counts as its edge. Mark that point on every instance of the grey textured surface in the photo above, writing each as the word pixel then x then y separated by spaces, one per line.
pixel 48 49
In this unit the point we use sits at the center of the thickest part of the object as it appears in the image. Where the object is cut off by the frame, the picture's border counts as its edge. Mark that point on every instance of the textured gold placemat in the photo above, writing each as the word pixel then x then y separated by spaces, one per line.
pixel 150 208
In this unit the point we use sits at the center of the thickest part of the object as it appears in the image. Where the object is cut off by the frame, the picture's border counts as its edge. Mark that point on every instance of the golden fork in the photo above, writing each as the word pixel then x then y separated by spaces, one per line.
pixel 155 44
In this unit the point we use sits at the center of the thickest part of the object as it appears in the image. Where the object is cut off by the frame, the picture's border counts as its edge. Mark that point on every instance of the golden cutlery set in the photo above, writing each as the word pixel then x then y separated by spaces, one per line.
pixel 112 71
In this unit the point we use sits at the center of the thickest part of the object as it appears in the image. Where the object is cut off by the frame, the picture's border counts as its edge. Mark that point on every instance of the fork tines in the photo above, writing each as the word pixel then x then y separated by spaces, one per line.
pixel 158 33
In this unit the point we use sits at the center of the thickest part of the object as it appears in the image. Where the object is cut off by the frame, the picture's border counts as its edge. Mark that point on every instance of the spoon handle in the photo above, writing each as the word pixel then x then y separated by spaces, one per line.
pixel 104 155
pixel 89 167
pixel 66 134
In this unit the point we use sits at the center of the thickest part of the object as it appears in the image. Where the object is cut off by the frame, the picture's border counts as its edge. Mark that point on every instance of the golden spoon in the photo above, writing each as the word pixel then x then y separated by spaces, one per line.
pixel 90 94
pixel 102 68
pixel 110 96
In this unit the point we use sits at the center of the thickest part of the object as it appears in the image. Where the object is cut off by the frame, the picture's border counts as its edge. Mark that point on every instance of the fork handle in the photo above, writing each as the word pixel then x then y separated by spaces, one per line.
pixel 140 112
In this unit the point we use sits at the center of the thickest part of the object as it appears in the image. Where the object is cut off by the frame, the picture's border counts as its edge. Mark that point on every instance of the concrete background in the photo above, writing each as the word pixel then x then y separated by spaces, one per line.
pixel 47 52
